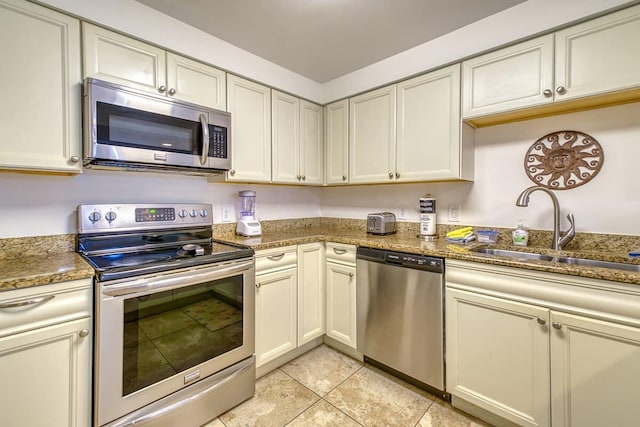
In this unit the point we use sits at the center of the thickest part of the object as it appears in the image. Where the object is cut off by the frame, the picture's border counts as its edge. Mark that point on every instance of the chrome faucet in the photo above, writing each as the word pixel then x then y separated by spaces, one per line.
pixel 558 241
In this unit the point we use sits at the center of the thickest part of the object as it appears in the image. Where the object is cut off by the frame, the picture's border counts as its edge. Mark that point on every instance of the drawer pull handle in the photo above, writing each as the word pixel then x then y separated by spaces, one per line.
pixel 339 251
pixel 83 333
pixel 26 302
pixel 276 257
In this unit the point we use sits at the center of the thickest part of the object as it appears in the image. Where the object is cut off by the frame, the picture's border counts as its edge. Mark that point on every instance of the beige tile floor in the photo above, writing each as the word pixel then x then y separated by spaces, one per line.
pixel 326 388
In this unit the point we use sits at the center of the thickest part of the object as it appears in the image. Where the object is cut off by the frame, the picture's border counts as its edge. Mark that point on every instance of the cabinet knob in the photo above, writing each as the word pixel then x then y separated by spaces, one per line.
pixel 344 177
pixel 304 177
pixel 556 325
pixel 299 177
pixel 161 89
pixel 172 91
pixel 397 175
pixel 547 93
pixel 541 320
pixel 83 333
pixel 390 175
pixel 350 274
pixel 258 285
pixel 560 90
pixel 232 172
pixel 75 159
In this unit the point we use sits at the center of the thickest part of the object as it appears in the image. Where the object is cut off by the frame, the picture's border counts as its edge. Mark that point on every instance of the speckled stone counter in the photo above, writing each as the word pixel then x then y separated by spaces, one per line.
pixel 36 261
pixel 294 232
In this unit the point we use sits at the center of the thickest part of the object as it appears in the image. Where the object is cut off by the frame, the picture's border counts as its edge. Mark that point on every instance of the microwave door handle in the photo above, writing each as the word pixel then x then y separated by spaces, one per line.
pixel 205 139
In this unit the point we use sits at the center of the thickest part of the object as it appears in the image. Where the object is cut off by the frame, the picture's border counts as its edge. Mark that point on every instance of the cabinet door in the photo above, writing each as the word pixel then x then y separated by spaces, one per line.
pixel 429 140
pixel 285 137
pixel 250 107
pixel 599 56
pixel 512 78
pixel 498 356
pixel 311 143
pixel 41 98
pixel 311 292
pixel 337 142
pixel 196 82
pixel 372 125
pixel 341 303
pixel 46 374
pixel 119 59
pixel 595 372
pixel 276 314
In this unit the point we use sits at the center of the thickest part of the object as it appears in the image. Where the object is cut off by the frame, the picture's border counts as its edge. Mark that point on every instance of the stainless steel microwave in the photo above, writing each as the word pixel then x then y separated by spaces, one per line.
pixel 126 128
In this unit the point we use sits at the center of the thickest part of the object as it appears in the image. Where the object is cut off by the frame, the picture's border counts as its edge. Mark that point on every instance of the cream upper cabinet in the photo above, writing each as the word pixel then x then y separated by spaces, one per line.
pixel 311 292
pixel 285 137
pixel 250 108
pixel 336 140
pixel 584 66
pixel 41 102
pixel 515 77
pixel 296 140
pixel 311 143
pixel 429 143
pixel 372 133
pixel 590 358
pixel 120 59
pixel 598 56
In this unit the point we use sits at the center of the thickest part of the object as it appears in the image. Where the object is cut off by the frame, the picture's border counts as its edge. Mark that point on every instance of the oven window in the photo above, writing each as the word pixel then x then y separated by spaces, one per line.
pixel 169 332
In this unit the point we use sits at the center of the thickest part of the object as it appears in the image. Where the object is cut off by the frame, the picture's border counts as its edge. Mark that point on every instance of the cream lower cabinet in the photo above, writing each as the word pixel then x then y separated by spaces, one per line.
pixel 41 100
pixel 311 292
pixel 120 59
pixel 595 59
pixel 518 348
pixel 276 303
pixel 45 355
pixel 250 108
pixel 341 293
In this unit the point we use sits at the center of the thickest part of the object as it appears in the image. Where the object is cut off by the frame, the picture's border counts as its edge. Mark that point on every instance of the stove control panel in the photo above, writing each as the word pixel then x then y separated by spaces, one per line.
pixel 129 217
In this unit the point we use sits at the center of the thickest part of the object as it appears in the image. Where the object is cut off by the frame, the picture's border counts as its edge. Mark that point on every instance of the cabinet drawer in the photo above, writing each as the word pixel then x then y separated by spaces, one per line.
pixel 31 308
pixel 269 260
pixel 341 253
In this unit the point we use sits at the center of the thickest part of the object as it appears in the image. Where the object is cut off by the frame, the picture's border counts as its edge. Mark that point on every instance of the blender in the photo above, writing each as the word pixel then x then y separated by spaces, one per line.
pixel 248 225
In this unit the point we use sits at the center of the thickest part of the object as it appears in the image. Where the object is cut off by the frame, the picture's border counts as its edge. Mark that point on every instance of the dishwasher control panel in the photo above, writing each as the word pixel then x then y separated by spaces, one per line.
pixel 420 262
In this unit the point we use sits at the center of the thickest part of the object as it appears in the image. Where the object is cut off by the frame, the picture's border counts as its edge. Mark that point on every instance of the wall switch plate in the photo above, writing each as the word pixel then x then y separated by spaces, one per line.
pixel 454 213
pixel 402 215
pixel 226 213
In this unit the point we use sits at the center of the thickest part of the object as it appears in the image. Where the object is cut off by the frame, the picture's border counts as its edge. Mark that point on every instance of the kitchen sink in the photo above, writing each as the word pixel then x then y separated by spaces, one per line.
pixel 561 259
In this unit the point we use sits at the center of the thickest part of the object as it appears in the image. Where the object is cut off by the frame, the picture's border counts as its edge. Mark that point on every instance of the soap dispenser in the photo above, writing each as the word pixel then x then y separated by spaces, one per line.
pixel 520 234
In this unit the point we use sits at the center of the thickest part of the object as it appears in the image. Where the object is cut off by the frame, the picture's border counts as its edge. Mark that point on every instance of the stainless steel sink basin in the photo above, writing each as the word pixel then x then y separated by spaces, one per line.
pixel 561 259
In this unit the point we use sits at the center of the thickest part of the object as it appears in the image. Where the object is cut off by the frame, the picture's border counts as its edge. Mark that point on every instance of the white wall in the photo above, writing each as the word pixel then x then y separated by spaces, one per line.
pixel 610 203
pixel 38 205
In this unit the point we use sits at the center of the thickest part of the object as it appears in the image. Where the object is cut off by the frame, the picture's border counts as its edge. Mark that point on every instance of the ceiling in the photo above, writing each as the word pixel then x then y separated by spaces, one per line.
pixel 325 39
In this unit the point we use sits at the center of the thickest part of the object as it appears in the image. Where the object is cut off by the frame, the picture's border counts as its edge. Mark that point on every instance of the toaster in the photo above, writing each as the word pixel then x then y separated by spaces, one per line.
pixel 381 223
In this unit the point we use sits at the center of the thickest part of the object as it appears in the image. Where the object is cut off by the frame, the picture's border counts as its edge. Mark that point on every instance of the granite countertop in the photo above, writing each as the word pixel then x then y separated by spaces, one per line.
pixel 36 270
pixel 408 242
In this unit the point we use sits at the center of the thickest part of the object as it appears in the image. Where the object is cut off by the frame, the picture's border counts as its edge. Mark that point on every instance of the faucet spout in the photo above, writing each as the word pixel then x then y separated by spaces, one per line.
pixel 558 242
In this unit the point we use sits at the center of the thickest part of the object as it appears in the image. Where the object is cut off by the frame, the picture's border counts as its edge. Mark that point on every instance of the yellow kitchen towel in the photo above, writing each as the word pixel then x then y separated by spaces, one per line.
pixel 459 232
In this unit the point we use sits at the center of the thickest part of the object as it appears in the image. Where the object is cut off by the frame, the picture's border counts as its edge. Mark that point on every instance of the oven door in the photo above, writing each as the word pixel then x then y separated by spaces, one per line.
pixel 158 335
pixel 128 126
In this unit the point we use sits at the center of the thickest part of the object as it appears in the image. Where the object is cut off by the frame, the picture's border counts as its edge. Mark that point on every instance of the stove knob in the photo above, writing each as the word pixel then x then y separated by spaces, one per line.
pixel 182 213
pixel 193 213
pixel 94 216
pixel 204 213
pixel 110 216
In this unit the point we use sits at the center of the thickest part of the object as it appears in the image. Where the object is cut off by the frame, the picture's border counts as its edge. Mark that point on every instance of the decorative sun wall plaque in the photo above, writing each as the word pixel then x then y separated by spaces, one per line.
pixel 563 160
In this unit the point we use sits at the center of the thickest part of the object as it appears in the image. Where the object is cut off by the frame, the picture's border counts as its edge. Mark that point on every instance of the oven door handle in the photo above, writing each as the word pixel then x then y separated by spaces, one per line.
pixel 176 280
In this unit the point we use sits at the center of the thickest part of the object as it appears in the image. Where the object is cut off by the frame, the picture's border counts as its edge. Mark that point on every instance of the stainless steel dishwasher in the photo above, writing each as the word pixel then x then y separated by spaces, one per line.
pixel 400 316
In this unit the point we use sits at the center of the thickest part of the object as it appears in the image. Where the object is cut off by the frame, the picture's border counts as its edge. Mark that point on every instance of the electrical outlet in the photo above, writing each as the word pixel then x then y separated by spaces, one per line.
pixel 225 213
pixel 454 213
pixel 402 216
